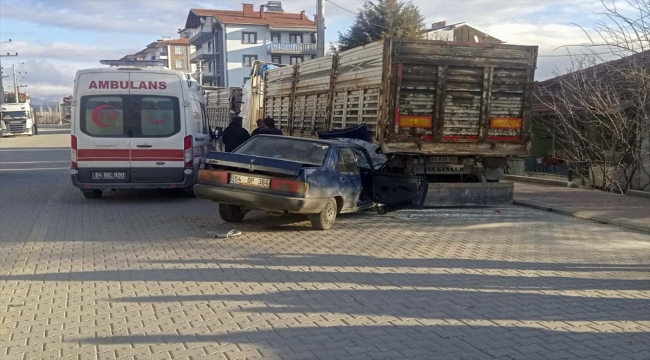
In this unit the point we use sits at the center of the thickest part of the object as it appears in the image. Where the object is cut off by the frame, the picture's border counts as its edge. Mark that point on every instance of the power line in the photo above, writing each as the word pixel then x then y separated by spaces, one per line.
pixel 353 13
pixel 569 55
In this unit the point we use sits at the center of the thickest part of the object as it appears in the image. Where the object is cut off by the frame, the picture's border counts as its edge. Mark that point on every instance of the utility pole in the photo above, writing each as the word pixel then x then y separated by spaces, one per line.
pixel 16 97
pixel 320 32
pixel 2 90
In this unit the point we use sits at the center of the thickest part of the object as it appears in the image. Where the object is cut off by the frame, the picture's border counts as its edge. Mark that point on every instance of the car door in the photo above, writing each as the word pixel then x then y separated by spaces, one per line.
pixel 100 133
pixel 158 133
pixel 349 178
pixel 398 188
pixel 366 172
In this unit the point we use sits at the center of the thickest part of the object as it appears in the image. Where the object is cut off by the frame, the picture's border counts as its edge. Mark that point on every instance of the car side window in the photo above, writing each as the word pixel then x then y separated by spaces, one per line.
pixel 362 161
pixel 347 161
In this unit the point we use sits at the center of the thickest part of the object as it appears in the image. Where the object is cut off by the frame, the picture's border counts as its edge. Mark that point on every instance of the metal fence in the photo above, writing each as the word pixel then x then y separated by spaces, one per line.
pixel 532 165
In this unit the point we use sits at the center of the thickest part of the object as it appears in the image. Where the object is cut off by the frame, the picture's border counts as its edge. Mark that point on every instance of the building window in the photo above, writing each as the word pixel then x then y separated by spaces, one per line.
pixel 296 59
pixel 276 59
pixel 246 78
pixel 313 38
pixel 210 46
pixel 180 64
pixel 153 57
pixel 249 38
pixel 248 60
pixel 179 50
pixel 295 38
pixel 275 38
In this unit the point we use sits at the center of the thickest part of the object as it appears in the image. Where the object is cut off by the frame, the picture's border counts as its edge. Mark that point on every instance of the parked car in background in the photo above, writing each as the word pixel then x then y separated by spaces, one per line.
pixel 319 178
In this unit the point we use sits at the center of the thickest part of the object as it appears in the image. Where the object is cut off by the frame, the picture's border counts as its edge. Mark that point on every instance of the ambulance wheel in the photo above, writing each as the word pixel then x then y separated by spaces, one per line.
pixel 92 194
pixel 231 213
pixel 188 192
pixel 325 219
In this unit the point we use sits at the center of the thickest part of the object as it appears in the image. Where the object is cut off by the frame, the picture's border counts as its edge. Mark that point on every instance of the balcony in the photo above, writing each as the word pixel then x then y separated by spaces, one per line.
pixel 202 33
pixel 291 49
pixel 202 54
pixel 163 55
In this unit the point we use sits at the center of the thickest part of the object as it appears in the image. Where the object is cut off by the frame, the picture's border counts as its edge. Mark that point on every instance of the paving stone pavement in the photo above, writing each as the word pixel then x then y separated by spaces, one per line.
pixel 134 276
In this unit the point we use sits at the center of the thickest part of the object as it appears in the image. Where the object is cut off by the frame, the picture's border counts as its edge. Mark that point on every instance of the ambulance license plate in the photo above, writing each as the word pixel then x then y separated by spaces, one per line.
pixel 109 175
pixel 250 181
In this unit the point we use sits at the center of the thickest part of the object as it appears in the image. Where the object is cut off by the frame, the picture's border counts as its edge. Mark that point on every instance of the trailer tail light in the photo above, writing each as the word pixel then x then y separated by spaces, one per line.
pixel 506 123
pixel 291 186
pixel 73 151
pixel 212 176
pixel 187 151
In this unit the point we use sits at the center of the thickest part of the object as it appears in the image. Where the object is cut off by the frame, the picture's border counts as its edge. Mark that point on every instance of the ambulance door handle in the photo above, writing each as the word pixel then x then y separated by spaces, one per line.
pixel 144 146
pixel 200 139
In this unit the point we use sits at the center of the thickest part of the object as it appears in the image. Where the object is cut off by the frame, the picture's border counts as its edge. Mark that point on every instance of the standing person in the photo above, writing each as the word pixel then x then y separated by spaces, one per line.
pixel 270 127
pixel 234 135
pixel 260 128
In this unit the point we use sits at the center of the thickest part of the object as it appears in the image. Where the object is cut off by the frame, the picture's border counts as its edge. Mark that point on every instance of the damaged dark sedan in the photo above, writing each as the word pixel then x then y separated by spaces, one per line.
pixel 319 178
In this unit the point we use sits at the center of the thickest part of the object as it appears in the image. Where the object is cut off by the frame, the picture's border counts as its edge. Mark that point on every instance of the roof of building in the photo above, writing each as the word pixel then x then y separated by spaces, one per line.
pixel 254 18
pixel 602 70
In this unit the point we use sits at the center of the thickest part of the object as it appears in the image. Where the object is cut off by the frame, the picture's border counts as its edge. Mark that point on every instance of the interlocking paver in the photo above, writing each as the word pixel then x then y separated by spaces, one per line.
pixel 134 276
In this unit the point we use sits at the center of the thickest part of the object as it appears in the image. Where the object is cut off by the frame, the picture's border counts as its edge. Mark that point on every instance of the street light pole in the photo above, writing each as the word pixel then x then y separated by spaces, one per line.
pixel 2 89
pixel 320 32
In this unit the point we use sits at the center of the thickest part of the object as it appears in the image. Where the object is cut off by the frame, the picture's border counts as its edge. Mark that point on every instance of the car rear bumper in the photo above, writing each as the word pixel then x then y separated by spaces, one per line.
pixel 188 181
pixel 260 201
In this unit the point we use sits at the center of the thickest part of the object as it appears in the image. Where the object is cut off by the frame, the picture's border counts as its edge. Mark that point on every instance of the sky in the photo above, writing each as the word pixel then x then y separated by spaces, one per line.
pixel 55 38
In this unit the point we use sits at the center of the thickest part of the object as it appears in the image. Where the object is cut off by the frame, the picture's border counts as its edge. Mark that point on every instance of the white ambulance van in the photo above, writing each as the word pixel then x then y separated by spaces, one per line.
pixel 137 128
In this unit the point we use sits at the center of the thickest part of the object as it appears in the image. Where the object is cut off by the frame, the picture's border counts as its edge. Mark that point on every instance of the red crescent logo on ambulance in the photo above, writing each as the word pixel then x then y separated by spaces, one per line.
pixel 157 119
pixel 102 113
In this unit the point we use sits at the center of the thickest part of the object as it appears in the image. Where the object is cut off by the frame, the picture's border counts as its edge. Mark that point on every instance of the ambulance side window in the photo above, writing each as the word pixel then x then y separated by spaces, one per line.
pixel 206 125
pixel 197 117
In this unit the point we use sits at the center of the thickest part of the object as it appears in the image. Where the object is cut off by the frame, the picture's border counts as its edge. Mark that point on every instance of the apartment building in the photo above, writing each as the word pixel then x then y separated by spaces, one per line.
pixel 174 53
pixel 227 42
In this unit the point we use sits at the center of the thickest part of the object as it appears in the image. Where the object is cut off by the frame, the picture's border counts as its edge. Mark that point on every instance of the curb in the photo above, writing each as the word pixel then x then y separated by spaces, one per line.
pixel 639 194
pixel 576 214
pixel 534 180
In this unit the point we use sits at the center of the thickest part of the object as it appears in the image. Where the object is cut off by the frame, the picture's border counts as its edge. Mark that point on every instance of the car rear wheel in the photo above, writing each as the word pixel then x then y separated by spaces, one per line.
pixel 92 194
pixel 325 219
pixel 231 213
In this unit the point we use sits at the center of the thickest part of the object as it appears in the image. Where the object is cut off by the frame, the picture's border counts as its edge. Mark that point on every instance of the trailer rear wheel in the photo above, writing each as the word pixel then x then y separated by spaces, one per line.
pixel 92 194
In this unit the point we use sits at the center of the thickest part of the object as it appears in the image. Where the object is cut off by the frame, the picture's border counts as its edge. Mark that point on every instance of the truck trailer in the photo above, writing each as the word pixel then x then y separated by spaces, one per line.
pixel 453 111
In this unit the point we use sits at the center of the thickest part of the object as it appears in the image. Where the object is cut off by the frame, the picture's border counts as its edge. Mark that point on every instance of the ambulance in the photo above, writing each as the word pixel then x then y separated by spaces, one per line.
pixel 137 128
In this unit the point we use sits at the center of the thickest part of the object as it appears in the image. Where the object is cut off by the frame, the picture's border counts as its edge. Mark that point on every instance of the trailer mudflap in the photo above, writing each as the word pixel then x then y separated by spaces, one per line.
pixel 469 194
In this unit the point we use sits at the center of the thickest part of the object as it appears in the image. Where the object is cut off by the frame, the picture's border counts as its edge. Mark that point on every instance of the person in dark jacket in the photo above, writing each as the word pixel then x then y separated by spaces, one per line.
pixel 260 128
pixel 270 127
pixel 234 135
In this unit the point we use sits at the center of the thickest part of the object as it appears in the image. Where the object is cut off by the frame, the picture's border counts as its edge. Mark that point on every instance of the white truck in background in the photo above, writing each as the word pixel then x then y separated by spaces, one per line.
pixel 17 119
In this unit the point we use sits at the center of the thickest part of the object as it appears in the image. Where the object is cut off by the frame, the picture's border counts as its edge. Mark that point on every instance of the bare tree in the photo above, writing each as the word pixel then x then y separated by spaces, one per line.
pixel 622 32
pixel 600 118
pixel 599 113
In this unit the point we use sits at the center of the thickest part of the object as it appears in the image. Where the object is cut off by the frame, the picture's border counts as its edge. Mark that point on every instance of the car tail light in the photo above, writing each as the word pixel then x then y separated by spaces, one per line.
pixel 213 176
pixel 289 186
pixel 73 151
pixel 188 154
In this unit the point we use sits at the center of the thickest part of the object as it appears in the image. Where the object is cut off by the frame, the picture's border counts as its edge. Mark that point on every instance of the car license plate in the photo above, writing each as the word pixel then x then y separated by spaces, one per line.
pixel 250 181
pixel 443 159
pixel 109 175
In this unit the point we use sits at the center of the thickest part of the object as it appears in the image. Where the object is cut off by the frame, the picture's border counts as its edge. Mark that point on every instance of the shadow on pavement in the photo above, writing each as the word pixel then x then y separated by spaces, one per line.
pixel 316 260
pixel 428 304
pixel 401 342
pixel 265 275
